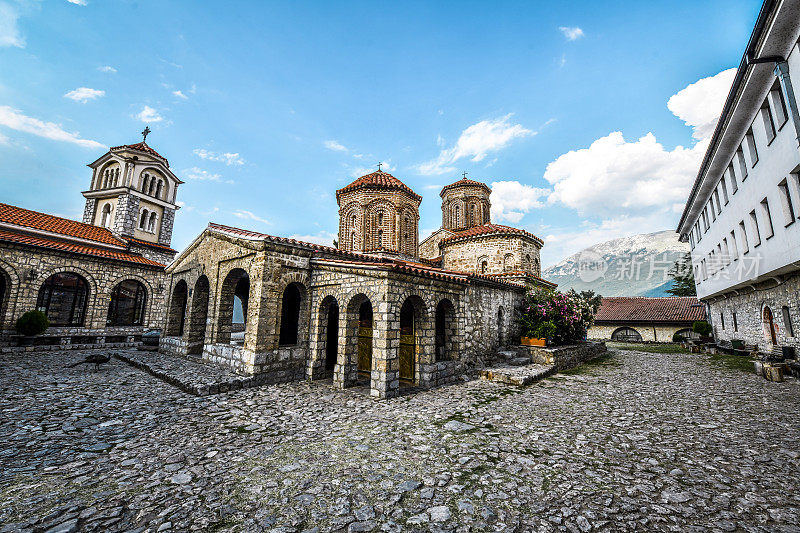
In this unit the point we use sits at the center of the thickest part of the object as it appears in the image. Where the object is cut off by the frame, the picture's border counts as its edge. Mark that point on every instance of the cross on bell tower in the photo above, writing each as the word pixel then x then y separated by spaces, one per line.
pixel 464 174
pixel 379 166
pixel 145 133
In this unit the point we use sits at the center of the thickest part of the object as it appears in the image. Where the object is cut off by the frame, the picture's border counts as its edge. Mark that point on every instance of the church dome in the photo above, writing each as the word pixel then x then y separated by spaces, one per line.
pixel 377 180
pixel 464 183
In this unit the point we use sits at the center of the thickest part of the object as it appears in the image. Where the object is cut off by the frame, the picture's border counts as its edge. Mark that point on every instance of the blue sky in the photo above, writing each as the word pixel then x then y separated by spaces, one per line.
pixel 589 117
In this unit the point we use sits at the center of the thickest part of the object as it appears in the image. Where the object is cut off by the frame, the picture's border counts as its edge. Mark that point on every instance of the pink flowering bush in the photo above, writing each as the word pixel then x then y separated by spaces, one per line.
pixel 561 318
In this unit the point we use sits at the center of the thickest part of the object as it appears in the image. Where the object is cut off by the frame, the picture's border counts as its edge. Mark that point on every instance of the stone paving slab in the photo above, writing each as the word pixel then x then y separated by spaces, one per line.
pixel 518 375
pixel 633 442
pixel 195 377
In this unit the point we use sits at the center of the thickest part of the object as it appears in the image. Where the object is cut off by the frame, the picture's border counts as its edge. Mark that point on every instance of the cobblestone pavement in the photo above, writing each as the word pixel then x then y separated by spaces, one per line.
pixel 636 441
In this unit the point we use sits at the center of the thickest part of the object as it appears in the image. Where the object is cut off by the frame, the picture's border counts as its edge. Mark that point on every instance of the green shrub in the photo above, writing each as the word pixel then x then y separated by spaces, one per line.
pixel 678 338
pixel 701 327
pixel 32 323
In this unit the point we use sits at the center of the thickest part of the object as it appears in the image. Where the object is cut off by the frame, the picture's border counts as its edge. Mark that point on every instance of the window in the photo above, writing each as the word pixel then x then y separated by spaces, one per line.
pixel 722 320
pixel 158 189
pixel 380 219
pixel 290 316
pixel 711 208
pixel 152 188
pixel 732 177
pixel 691 240
pixel 472 215
pixel 742 163
pixel 756 232
pixel 105 220
pixel 151 224
pixel 767 217
pixel 127 304
pixel 787 322
pixel 734 249
pixel 724 186
pixel 750 142
pixel 767 120
pixel 726 258
pixel 777 104
pixel 745 245
pixel 626 335
pixel 455 221
pixel 143 219
pixel 63 298
pixel 353 241
pixel 716 198
pixel 145 179
pixel 786 203
pixel 735 323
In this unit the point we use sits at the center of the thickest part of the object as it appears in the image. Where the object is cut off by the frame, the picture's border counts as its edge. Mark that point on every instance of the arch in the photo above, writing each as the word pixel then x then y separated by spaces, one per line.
pixel 151 224
pixel 445 330
pixel 787 321
pixel 291 304
pixel 159 186
pixel 483 265
pixel 685 333
pixel 5 293
pixel 63 297
pixel 769 326
pixel 500 326
pixel 359 334
pixel 126 306
pixel 177 309
pixel 328 334
pixel 198 316
pixel 105 218
pixel 145 181
pixel 151 189
pixel 626 334
pixel 508 262
pixel 536 269
pixel 143 219
pixel 234 297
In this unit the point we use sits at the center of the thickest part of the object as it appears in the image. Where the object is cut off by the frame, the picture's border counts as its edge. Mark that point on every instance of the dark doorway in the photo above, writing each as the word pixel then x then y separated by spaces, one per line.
pixel 290 316
pixel 332 338
pixel 365 337
pixel 408 343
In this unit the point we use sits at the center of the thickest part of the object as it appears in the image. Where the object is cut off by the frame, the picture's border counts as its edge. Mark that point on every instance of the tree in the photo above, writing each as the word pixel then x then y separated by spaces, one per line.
pixel 335 243
pixel 591 297
pixel 682 277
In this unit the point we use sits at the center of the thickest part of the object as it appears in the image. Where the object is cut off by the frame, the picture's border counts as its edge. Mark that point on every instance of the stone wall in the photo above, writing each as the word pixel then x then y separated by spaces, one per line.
pixel 429 248
pixel 749 306
pixel 465 206
pixel 490 320
pixel 167 222
pixel 649 332
pixel 126 214
pixel 565 357
pixel 25 269
pixel 502 252
pixel 89 210
pixel 379 219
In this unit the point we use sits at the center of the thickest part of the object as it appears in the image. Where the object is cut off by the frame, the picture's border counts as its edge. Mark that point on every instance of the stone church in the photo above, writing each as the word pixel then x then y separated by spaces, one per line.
pixel 381 309
pixel 101 281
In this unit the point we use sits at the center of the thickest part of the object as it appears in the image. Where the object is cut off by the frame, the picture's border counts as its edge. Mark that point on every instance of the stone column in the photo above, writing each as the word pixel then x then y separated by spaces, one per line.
pixel 345 373
pixel 89 210
pixel 262 309
pixel 385 376
pixel 126 214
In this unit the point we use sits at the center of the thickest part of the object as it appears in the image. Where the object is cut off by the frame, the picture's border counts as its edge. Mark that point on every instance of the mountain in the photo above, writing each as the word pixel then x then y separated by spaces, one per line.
pixel 630 266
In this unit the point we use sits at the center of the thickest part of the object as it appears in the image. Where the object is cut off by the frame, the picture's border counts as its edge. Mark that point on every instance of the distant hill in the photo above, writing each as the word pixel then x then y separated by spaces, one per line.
pixel 630 266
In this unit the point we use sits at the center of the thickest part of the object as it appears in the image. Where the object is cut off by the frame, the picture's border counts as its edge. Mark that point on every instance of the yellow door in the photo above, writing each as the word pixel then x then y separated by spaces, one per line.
pixel 365 349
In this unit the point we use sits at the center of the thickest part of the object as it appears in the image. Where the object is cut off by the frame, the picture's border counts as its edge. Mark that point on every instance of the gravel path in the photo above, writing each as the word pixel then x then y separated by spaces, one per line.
pixel 636 442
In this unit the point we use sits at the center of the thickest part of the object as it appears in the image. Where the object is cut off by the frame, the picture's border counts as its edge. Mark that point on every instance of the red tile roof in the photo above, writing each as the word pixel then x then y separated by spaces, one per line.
pixel 151 244
pixel 10 214
pixel 464 182
pixel 520 273
pixel 644 309
pixel 141 147
pixel 377 180
pixel 54 244
pixel 487 229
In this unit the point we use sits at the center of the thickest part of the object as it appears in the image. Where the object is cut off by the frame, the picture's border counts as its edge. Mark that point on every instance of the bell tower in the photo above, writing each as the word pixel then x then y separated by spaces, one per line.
pixel 133 193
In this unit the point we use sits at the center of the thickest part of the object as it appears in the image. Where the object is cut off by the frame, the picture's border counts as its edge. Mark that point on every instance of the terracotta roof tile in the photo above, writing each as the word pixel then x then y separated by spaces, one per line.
pixel 486 229
pixel 10 214
pixel 644 309
pixel 464 182
pixel 141 147
pixel 54 244
pixel 377 180
pixel 522 273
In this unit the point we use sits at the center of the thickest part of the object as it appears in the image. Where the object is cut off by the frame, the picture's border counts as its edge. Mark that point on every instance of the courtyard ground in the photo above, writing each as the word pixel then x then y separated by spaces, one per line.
pixel 634 441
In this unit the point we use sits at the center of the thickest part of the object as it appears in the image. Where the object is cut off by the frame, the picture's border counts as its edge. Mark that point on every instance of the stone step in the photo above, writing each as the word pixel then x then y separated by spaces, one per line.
pixel 507 355
pixel 520 361
pixel 518 375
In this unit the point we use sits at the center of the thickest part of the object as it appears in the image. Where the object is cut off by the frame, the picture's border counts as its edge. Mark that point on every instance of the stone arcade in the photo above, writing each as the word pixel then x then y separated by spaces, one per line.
pixel 371 310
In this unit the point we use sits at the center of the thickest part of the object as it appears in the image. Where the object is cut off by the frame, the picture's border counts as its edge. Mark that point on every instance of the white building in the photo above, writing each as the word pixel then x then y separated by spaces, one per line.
pixel 741 218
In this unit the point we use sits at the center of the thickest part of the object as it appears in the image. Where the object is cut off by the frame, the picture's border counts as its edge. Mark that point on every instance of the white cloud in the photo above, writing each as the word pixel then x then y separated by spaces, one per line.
pixel 148 114
pixel 198 174
pixel 9 31
pixel 78 2
pixel 107 69
pixel 512 199
pixel 335 146
pixel 325 238
pixel 476 142
pixel 14 119
pixel 4 139
pixel 228 158
pixel 248 215
pixel 84 94
pixel 572 33
pixel 700 103
pixel 180 95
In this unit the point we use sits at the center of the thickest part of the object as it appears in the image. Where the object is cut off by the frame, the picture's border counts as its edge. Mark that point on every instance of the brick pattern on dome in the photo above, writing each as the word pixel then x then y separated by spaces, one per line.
pixel 141 147
pixel 464 182
pixel 377 180
pixel 488 229
pixel 18 216
pixel 646 309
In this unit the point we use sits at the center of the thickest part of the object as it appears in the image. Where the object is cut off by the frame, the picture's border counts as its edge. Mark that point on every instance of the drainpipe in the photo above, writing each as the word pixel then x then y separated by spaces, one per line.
pixel 781 72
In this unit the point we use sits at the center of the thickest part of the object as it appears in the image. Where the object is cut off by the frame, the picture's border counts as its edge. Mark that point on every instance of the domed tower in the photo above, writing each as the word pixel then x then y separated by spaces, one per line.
pixel 378 213
pixel 465 204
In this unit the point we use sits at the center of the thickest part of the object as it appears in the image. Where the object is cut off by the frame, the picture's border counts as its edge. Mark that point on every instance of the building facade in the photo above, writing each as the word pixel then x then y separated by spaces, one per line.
pixel 741 218
pixel 371 310
pixel 644 319
pixel 101 281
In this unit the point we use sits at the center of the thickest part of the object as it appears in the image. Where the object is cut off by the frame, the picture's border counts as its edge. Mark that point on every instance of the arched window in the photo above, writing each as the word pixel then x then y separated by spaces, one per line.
pixel 353 241
pixel 143 219
pixel 105 219
pixel 126 307
pixel 472 215
pixel 484 266
pixel 508 262
pixel 380 218
pixel 787 322
pixel 158 188
pixel 456 222
pixel 380 238
pixel 116 177
pixel 151 225
pixel 528 264
pixel 626 335
pixel 353 222
pixel 63 298
pixel 145 179
pixel 536 266
pixel 290 315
